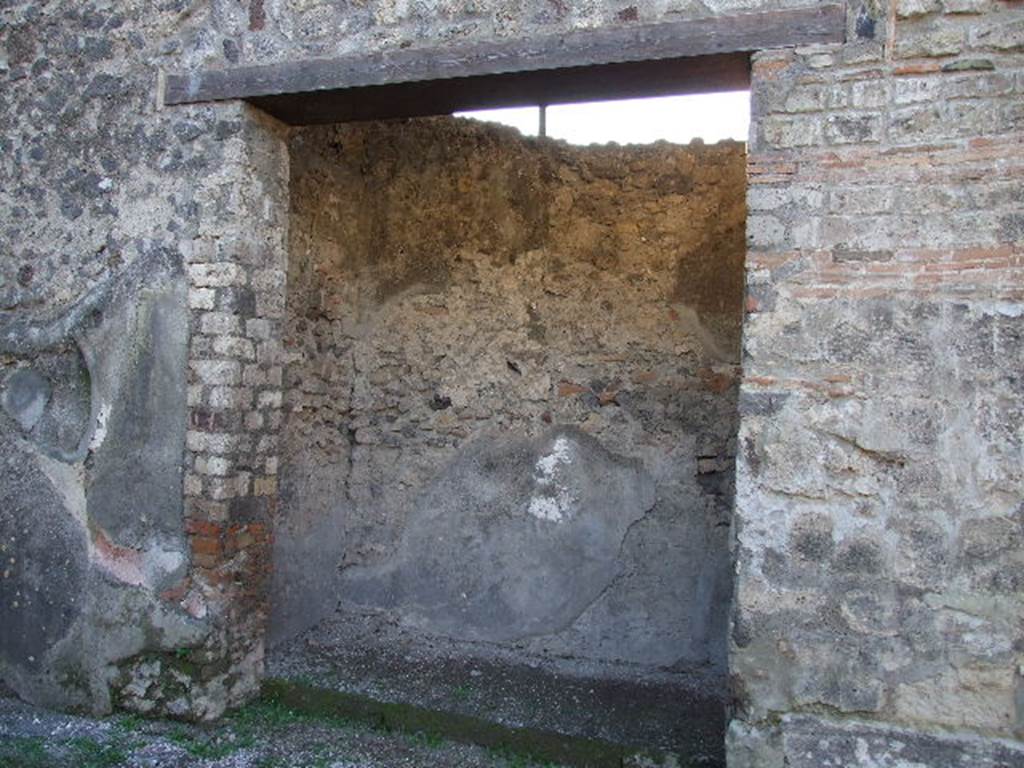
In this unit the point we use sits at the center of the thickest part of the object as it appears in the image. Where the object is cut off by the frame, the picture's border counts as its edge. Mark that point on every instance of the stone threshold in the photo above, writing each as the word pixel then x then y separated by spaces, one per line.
pixel 550 709
pixel 540 746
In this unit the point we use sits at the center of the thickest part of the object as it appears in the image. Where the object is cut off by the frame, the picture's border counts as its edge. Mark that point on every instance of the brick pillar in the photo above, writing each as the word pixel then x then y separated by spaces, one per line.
pixel 878 607
pixel 236 296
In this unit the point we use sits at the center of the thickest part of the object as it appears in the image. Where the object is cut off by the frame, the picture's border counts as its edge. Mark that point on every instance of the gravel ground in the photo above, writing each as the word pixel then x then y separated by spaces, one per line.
pixel 262 735
pixel 670 711
pixel 662 710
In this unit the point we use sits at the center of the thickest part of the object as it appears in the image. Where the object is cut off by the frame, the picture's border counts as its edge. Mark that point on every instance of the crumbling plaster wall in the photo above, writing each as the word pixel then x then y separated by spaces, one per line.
pixel 113 589
pixel 454 289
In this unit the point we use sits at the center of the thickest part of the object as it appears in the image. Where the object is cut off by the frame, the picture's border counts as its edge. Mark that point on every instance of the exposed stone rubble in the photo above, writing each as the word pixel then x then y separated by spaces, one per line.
pixel 455 289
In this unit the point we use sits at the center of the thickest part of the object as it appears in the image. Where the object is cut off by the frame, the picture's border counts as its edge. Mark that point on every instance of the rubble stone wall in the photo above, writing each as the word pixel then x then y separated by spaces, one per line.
pixel 142 253
pixel 454 288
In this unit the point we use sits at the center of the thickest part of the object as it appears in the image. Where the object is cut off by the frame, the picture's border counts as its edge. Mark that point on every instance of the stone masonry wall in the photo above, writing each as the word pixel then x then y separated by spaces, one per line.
pixel 115 589
pixel 877 517
pixel 110 205
pixel 880 525
pixel 262 31
pixel 454 289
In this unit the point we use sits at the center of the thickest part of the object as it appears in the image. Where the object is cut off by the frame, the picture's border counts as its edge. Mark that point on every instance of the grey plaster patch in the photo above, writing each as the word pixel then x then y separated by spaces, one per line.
pixel 43 562
pixel 305 578
pixel 63 428
pixel 135 491
pixel 25 397
pixel 516 538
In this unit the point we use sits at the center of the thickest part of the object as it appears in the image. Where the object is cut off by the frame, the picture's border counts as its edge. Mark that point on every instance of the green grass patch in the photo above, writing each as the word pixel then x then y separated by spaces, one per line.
pixel 511 759
pixel 210 746
pixel 130 723
pixel 89 753
pixel 24 752
pixel 270 711
pixel 428 739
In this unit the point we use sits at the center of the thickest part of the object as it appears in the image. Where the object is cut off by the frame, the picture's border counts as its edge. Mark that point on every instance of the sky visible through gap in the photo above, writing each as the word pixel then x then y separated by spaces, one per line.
pixel 711 117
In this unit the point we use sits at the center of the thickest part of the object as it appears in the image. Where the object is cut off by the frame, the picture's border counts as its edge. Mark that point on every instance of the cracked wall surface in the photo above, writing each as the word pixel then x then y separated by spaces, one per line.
pixel 459 292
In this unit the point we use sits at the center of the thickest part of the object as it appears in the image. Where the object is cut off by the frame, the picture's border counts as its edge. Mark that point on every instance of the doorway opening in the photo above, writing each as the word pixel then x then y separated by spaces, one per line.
pixel 509 434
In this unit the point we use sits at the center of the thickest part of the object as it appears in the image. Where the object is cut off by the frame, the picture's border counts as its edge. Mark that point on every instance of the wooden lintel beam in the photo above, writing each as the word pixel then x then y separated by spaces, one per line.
pixel 821 23
pixel 703 74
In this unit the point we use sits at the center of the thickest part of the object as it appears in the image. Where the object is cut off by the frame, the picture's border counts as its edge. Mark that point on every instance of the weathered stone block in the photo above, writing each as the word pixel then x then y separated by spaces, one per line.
pixel 213 442
pixel 216 275
pixel 217 372
pixel 853 129
pixel 1004 34
pixel 219 323
pixel 929 40
pixel 234 346
pixel 811 742
pixel 229 486
pixel 789 133
pixel 269 398
pixel 908 9
pixel 202 298
pixel 230 397
pixel 259 329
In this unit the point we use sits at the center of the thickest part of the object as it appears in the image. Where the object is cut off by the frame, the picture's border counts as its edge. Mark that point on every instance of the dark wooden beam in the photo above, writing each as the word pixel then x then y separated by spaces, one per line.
pixel 523 66
pixel 704 74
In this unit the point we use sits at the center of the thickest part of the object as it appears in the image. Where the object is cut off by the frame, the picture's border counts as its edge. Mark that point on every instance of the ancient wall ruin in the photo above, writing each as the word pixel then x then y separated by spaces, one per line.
pixel 461 303
pixel 138 277
pixel 877 521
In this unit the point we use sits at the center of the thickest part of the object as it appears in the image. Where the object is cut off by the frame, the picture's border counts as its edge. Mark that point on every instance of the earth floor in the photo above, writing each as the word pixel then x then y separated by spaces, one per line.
pixel 358 691
pixel 265 734
pixel 566 709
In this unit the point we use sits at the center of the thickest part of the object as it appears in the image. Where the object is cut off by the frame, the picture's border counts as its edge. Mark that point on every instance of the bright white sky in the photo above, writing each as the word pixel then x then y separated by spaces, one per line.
pixel 711 117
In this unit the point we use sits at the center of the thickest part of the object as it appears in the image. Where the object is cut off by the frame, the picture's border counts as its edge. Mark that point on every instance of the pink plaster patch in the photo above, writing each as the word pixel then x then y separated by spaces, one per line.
pixel 123 563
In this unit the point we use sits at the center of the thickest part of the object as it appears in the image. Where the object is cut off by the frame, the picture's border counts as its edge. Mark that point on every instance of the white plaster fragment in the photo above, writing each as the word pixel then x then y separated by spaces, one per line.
pixel 560 454
pixel 545 508
pixel 555 500
pixel 100 432
pixel 159 562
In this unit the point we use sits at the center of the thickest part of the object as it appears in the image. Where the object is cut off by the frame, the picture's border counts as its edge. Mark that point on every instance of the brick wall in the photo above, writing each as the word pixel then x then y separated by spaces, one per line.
pixel 236 272
pixel 880 549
